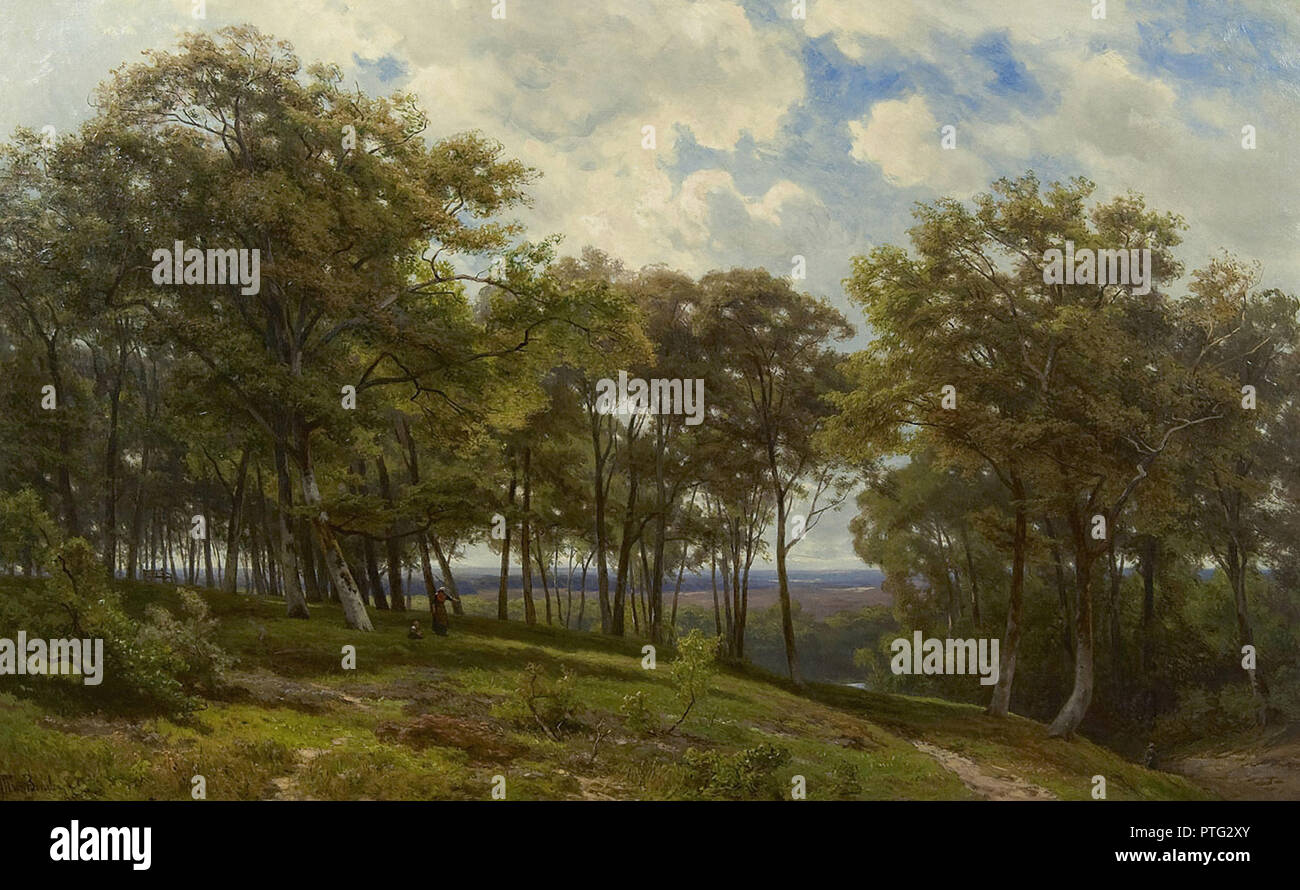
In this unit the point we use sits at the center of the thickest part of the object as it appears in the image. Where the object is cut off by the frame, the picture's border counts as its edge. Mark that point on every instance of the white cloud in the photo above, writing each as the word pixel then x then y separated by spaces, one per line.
pixel 903 139
pixel 568 88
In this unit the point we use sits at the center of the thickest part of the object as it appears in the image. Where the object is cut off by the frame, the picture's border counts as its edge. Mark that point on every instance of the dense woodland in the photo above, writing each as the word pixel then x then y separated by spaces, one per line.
pixel 1107 482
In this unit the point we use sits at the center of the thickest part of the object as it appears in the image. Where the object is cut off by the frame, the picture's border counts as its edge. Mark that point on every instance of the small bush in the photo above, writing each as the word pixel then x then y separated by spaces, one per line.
pixel 636 713
pixel 745 774
pixel 190 637
pixel 541 703
pixel 845 779
pixel 692 670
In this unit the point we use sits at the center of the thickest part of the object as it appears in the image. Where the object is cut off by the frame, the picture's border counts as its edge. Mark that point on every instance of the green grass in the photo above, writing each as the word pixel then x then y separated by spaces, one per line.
pixel 438 718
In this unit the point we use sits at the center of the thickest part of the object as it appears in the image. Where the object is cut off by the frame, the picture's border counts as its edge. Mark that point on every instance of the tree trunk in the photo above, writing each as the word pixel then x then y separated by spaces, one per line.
pixel 602 543
pixel 393 545
pixel 1001 701
pixel 137 519
pixel 645 588
pixel 357 556
pixel 255 561
pixel 713 573
pixel 1149 552
pixel 728 616
pixel 171 549
pixel 503 602
pixel 448 578
pixel 263 539
pixel 71 524
pixel 582 596
pixel 208 580
pixel 1115 571
pixel 111 459
pixel 624 557
pixel 530 610
pixel 307 546
pixel 1238 564
pixel 1076 706
pixel 371 571
pixel 568 591
pixel 655 583
pixel 426 568
pixel 677 590
pixel 295 602
pixel 783 587
pixel 974 583
pixel 230 577
pixel 540 558
pixel 742 611
pixel 632 594
pixel 354 610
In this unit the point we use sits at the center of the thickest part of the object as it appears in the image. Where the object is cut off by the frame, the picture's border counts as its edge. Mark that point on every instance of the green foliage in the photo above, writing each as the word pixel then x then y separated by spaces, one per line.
pixel 694 666
pixel 846 781
pixel 748 773
pixel 300 727
pixel 1071 402
pixel 140 671
pixel 636 713
pixel 539 702
pixel 692 670
pixel 26 530
pixel 191 638
pixel 830 649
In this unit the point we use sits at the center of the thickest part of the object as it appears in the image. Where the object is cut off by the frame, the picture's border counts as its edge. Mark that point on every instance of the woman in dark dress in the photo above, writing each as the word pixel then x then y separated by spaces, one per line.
pixel 438 606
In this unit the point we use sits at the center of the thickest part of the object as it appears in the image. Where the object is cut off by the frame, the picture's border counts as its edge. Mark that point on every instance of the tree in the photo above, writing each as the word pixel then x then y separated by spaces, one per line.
pixel 1245 338
pixel 774 346
pixel 351 205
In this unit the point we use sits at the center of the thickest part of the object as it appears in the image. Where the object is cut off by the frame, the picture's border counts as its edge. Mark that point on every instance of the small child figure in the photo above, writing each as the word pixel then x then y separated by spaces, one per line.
pixel 415 633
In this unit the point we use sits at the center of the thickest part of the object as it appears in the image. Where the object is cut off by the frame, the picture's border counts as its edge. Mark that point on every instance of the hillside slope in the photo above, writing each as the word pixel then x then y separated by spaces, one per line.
pixel 441 718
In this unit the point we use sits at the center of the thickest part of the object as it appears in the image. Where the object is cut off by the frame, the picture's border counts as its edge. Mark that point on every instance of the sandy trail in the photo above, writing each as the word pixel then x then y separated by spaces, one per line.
pixel 987 786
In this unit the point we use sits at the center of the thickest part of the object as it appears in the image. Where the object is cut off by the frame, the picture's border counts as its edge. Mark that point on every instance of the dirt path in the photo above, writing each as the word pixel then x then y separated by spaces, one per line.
pixel 1265 774
pixel 989 787
pixel 286 787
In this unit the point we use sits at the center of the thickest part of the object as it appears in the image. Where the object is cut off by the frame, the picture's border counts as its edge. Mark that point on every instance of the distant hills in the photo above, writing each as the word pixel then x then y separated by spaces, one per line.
pixel 474 580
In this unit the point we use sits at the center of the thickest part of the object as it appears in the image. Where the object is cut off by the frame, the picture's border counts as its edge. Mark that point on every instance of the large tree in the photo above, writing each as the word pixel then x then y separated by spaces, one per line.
pixel 355 216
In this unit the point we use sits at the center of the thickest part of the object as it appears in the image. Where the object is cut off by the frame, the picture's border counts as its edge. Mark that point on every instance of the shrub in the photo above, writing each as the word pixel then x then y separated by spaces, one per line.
pixel 538 701
pixel 692 670
pixel 636 713
pixel 190 637
pixel 138 672
pixel 845 779
pixel 744 774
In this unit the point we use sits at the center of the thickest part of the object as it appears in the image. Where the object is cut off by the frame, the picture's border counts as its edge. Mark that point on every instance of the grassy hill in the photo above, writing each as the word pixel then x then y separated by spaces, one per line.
pixel 441 717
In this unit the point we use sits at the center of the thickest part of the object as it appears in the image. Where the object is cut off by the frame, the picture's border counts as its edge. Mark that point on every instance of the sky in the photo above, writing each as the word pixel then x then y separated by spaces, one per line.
pixel 778 135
